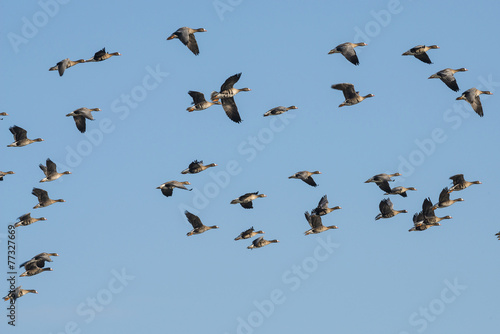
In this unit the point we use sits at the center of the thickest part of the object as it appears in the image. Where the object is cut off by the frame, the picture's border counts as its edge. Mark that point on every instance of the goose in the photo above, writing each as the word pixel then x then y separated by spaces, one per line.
pixel 2 174
pixel 459 183
pixel 18 292
pixel 420 223
pixel 226 95
pixel 447 77
pixel 50 171
pixel 26 220
pixel 247 234
pixel 246 200
pixel 43 198
pixel 199 102
pixel 167 188
pixel 394 191
pixel 80 114
pixel 32 269
pixel 3 114
pixel 322 208
pixel 196 167
pixel 386 209
pixel 198 227
pixel 186 36
pixel 278 110
pixel 306 177
pixel 444 199
pixel 39 259
pixel 20 137
pixel 261 242
pixel 498 235
pixel 102 55
pixel 419 52
pixel 428 212
pixel 351 96
pixel 347 50
pixel 64 64
pixel 382 177
pixel 316 224
pixel 472 96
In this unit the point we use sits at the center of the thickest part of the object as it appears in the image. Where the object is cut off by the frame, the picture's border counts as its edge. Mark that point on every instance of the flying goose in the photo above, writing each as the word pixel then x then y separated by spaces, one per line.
pixel 20 137
pixel 347 50
pixel 226 95
pixel 186 36
pixel 246 200
pixel 351 96
pixel 64 64
pixel 198 227
pixel 419 52
pixel 80 114
pixel 50 171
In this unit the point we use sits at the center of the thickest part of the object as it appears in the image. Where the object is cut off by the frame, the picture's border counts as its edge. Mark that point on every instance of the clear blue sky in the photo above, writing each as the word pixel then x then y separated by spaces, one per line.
pixel 367 276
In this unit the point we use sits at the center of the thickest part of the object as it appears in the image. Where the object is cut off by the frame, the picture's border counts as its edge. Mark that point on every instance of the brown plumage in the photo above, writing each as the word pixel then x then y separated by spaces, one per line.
pixel 347 50
pixel 246 200
pixel 64 64
pixel 261 242
pixel 306 177
pixel 459 183
pixel 322 208
pixel 419 52
pixel 247 234
pixel 316 224
pixel 226 95
pixel 351 96
pixel 447 77
pixel 386 209
pixel 199 102
pixel 102 55
pixel 196 167
pixel 18 292
pixel 198 226
pixel 26 220
pixel 2 174
pixel 50 171
pixel 167 188
pixel 21 137
pixel 186 36
pixel 472 96
pixel 43 198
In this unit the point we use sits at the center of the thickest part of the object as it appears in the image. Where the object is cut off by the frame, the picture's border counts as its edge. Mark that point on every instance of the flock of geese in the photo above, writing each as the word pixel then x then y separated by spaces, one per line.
pixel 225 97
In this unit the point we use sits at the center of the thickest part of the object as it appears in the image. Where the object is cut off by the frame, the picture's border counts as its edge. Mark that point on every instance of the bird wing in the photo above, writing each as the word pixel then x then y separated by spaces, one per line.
pixel 51 167
pixel 444 196
pixel 197 97
pixel 44 169
pixel 229 83
pixel 24 217
pixel 459 178
pixel 310 181
pixel 385 206
pixel 448 78
pixel 315 221
pixel 98 56
pixel 183 35
pixel 257 241
pixel 423 57
pixel 347 89
pixel 18 132
pixel 231 109
pixel 350 54
pixel 384 185
pixel 193 45
pixel 193 219
pixel 80 123
pixel 167 191
pixel 62 66
pixel 247 205
pixel 41 194
pixel 427 209
pixel 475 102
pixel 323 203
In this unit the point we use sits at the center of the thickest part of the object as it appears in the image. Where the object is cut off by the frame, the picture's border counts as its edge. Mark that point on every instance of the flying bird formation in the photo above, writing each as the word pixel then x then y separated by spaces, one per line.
pixel 226 98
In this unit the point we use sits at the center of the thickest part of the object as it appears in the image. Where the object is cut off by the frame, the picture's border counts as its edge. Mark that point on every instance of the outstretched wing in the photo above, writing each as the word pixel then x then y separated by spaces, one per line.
pixel 193 219
pixel 229 83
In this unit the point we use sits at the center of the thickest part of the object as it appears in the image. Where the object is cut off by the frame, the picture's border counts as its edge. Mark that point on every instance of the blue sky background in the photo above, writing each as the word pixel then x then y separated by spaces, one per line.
pixel 376 277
